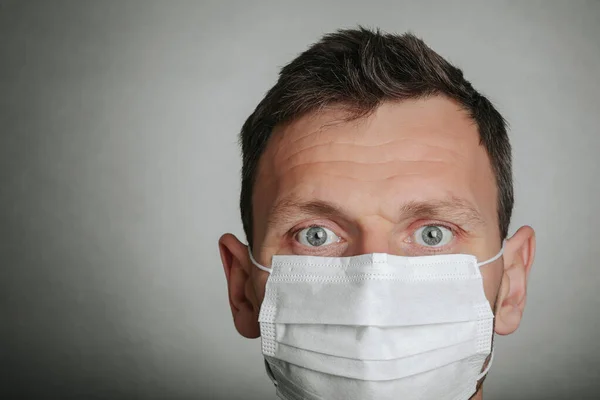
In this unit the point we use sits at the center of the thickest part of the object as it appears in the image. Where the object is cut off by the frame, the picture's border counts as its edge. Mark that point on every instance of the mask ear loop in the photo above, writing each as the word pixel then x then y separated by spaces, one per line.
pixel 491 260
pixel 497 256
pixel 270 374
pixel 256 264
pixel 487 368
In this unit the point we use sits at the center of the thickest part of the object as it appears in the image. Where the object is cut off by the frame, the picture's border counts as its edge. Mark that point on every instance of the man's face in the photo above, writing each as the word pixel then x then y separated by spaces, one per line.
pixel 411 179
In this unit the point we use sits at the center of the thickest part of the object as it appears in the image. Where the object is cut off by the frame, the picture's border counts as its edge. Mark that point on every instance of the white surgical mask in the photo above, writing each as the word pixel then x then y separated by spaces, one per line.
pixel 375 326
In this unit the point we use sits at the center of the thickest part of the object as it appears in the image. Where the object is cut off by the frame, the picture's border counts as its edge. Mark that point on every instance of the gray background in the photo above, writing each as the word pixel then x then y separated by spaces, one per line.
pixel 119 171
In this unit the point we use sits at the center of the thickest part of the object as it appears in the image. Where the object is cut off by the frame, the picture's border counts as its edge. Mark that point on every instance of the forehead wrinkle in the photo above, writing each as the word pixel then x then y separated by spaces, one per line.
pixel 303 128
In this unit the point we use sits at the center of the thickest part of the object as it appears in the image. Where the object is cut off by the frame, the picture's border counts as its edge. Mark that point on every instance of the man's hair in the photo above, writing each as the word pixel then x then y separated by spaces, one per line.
pixel 359 69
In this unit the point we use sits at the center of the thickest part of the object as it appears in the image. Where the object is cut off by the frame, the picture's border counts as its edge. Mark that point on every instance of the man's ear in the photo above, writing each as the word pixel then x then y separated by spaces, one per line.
pixel 242 296
pixel 518 257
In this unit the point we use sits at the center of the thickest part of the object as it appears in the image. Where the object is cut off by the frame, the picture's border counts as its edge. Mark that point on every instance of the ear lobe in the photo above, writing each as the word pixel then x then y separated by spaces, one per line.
pixel 518 259
pixel 234 256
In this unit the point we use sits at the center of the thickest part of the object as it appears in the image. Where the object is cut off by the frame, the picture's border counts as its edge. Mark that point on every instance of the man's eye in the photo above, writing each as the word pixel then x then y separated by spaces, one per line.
pixel 433 236
pixel 316 236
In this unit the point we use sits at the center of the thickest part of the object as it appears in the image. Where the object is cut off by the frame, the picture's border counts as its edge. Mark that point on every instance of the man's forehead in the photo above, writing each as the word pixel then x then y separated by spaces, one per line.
pixel 393 131
pixel 415 150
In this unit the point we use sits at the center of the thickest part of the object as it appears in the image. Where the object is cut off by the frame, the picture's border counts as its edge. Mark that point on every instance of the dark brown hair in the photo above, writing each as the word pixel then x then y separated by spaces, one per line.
pixel 359 69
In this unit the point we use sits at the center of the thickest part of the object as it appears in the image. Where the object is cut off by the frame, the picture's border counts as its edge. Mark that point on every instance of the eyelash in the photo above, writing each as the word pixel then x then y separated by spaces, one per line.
pixel 294 232
pixel 438 223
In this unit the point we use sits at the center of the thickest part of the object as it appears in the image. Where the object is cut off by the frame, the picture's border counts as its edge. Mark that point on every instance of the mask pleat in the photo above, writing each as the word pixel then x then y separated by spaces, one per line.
pixel 372 342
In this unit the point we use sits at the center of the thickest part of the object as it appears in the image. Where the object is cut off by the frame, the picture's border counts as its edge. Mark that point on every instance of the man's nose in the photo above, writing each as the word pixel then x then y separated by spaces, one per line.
pixel 375 237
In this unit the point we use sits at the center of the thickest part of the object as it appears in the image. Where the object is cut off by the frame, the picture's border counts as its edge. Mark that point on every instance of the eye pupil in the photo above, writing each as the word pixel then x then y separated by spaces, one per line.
pixel 432 235
pixel 316 236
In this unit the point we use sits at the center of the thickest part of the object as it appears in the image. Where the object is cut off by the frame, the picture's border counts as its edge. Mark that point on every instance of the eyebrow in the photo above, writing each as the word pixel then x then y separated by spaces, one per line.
pixel 454 209
pixel 289 209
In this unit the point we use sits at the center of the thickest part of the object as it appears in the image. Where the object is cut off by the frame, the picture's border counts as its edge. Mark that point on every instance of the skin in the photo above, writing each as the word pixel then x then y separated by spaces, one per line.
pixel 373 183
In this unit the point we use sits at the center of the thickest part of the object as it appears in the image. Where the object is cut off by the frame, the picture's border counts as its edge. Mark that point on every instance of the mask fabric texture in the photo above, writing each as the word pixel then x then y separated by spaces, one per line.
pixel 375 326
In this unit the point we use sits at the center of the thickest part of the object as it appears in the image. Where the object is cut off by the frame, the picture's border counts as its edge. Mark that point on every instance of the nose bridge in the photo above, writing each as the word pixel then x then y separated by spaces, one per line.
pixel 375 236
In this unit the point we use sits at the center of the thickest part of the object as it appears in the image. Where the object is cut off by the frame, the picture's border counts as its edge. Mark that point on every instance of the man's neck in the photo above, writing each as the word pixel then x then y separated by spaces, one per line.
pixel 478 395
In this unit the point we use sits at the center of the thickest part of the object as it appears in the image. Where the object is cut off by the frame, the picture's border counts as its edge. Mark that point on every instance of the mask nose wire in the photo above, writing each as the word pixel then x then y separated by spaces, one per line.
pixel 497 256
pixel 256 264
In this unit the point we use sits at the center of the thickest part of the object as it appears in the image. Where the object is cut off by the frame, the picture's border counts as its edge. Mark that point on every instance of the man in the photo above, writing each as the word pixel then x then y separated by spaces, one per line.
pixel 376 199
